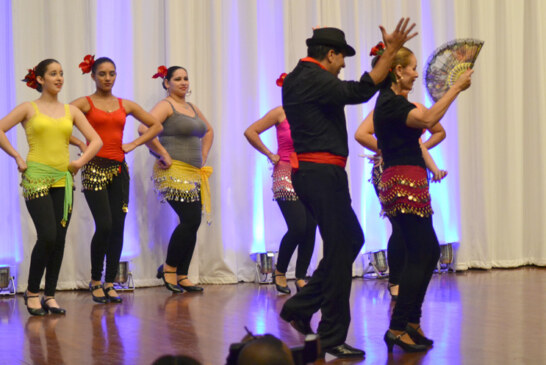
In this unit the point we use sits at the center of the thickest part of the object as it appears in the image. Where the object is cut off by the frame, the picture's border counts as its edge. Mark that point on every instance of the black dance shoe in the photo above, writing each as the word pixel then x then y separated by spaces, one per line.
pixel 52 310
pixel 33 311
pixel 110 297
pixel 417 337
pixel 189 288
pixel 280 289
pixel 344 351
pixel 299 288
pixel 101 300
pixel 391 339
pixel 302 325
pixel 175 288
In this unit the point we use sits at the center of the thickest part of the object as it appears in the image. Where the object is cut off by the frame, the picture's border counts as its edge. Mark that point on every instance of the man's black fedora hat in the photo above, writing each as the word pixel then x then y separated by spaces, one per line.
pixel 331 37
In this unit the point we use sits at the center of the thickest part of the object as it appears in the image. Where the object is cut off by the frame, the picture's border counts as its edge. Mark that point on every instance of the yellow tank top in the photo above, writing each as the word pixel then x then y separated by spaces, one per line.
pixel 48 140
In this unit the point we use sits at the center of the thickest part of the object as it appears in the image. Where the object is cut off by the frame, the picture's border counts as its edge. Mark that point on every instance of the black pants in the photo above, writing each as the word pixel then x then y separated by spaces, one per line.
pixel 184 237
pixel 46 213
pixel 396 253
pixel 106 206
pixel 422 252
pixel 324 190
pixel 302 229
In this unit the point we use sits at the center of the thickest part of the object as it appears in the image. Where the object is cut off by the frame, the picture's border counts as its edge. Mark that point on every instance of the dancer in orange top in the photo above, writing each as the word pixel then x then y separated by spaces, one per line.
pixel 105 179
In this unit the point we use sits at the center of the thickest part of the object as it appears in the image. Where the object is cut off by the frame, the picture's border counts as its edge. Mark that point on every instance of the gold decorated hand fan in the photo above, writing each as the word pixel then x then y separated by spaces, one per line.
pixel 447 63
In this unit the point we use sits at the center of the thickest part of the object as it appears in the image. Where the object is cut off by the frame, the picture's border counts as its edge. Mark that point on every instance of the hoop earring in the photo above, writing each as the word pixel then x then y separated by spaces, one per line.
pixel 188 93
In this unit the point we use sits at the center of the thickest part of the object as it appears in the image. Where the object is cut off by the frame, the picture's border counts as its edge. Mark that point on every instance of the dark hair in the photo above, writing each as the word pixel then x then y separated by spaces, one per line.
pixel 265 350
pixel 401 58
pixel 100 61
pixel 319 51
pixel 175 360
pixel 170 71
pixel 41 69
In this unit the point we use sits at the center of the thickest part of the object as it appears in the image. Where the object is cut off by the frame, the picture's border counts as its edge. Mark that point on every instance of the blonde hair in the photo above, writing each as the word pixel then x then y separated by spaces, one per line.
pixel 401 58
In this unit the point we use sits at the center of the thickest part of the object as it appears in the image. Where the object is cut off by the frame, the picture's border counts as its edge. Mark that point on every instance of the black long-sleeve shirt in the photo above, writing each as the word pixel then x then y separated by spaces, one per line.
pixel 314 100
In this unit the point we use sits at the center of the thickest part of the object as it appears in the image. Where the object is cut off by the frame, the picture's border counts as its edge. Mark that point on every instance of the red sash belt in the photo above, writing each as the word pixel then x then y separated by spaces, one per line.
pixel 317 157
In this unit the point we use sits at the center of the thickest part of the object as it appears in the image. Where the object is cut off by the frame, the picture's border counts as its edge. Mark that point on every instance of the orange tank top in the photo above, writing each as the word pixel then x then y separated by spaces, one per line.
pixel 109 126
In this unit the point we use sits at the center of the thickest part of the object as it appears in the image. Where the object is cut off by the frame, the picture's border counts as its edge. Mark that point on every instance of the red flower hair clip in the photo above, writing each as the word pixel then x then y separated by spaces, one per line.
pixel 161 72
pixel 280 80
pixel 30 79
pixel 378 49
pixel 87 64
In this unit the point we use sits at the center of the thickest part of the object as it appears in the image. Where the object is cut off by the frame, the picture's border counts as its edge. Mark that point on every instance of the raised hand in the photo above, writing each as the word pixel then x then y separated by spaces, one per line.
pixel 401 34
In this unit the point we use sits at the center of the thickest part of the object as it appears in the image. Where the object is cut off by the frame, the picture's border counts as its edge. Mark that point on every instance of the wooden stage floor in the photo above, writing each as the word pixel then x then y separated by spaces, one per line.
pixel 475 317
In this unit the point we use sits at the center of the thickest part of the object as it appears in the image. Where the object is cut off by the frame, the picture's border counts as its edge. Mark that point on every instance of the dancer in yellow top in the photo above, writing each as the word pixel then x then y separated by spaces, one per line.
pixel 47 175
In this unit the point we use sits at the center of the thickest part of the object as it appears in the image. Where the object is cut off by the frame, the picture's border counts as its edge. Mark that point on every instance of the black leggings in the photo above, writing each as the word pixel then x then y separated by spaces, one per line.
pixel 302 229
pixel 184 237
pixel 396 253
pixel 46 213
pixel 422 253
pixel 106 206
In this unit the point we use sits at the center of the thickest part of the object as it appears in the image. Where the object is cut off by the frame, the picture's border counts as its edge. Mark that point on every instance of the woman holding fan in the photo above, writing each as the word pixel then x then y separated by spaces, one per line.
pixel 105 179
pixel 365 136
pixel 403 191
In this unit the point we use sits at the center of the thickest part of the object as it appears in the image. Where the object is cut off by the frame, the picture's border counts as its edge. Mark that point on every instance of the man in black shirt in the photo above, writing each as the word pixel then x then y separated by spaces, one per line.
pixel 314 100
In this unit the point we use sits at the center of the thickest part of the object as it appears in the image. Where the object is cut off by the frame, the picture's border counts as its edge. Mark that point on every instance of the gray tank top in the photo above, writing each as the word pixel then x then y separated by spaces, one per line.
pixel 181 137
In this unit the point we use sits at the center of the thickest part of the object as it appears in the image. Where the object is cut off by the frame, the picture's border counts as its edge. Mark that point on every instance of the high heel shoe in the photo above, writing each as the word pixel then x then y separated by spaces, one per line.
pixel 280 289
pixel 393 296
pixel 189 288
pixel 391 339
pixel 33 311
pixel 417 337
pixel 299 288
pixel 175 288
pixel 110 297
pixel 97 299
pixel 53 310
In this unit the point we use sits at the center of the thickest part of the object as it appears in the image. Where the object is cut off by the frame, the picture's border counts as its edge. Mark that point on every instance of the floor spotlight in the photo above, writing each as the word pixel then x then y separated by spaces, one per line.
pixel 446 258
pixel 124 278
pixel 377 265
pixel 7 281
pixel 265 266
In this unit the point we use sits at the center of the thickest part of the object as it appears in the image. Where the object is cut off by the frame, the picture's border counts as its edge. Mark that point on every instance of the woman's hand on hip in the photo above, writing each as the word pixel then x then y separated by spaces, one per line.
pixel 165 161
pixel 21 164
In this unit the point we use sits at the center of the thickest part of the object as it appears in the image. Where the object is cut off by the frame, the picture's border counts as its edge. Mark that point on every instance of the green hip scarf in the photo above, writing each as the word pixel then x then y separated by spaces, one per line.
pixel 38 179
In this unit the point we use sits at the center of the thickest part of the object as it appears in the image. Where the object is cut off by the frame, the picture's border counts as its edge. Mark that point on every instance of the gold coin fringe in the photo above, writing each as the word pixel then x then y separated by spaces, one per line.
pixel 173 188
pixel 36 188
pixel 96 177
pixel 282 183
pixel 400 194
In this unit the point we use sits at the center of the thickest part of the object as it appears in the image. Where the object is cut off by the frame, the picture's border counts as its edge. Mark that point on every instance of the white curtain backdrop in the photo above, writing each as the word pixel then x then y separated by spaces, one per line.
pixel 492 204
